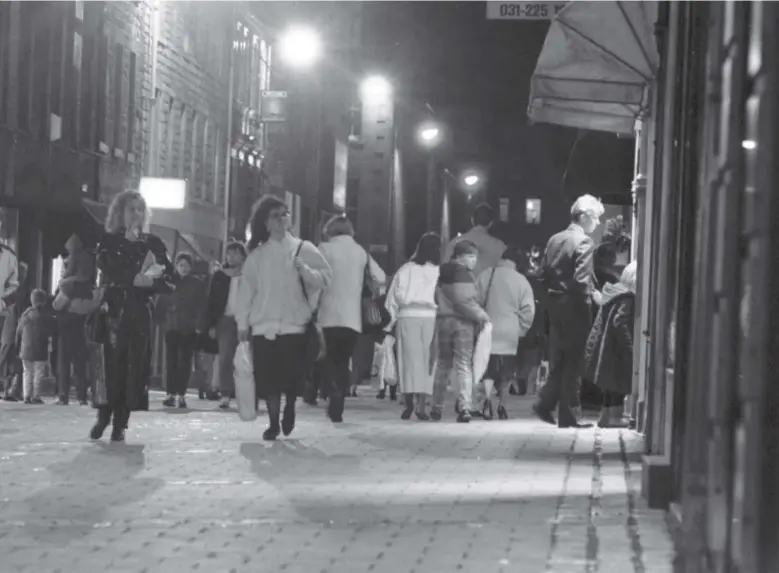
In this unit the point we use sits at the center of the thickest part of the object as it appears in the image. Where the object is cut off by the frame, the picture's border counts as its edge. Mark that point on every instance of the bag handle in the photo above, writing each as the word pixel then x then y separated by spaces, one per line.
pixel 489 287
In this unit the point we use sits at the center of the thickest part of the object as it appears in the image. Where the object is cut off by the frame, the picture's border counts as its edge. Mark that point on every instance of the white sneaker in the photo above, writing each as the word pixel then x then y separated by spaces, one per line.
pixel 225 404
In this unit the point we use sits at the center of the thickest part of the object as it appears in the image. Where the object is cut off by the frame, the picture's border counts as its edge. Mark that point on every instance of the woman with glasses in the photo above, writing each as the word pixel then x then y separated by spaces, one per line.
pixel 283 277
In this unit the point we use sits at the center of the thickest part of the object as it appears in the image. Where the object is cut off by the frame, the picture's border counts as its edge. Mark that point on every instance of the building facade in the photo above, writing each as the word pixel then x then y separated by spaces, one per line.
pixel 707 242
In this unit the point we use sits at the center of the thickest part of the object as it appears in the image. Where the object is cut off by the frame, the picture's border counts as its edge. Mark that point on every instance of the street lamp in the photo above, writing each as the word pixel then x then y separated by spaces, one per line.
pixel 376 89
pixel 471 180
pixel 300 47
pixel 428 134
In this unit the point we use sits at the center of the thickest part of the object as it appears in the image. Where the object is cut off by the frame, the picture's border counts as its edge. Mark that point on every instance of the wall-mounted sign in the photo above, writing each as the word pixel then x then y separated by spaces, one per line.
pixel 523 10
pixel 164 192
pixel 273 106
pixel 533 211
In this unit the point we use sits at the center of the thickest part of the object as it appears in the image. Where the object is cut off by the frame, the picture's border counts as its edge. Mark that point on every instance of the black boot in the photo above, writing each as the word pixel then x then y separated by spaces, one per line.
pixel 409 409
pixel 273 403
pixel 394 392
pixel 288 423
pixel 103 419
pixel 121 417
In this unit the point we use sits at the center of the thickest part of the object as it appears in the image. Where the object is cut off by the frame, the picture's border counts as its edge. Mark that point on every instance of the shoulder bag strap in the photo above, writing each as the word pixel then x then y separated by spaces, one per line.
pixel 489 287
pixel 300 278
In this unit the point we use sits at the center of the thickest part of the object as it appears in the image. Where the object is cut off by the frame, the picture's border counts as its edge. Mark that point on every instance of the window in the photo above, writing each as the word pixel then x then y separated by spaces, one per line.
pixel 533 211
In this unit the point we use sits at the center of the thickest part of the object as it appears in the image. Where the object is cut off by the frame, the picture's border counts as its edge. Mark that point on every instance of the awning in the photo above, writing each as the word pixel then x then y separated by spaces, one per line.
pixel 597 63
pixel 192 245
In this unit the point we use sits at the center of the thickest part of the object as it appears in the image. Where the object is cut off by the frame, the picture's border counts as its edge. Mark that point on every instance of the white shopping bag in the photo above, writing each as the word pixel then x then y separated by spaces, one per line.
pixel 376 367
pixel 481 354
pixel 245 393
pixel 388 371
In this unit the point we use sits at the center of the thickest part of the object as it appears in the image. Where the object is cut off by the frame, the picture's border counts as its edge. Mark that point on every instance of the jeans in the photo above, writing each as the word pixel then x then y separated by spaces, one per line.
pixel 179 352
pixel 456 342
pixel 34 371
pixel 340 343
pixel 227 338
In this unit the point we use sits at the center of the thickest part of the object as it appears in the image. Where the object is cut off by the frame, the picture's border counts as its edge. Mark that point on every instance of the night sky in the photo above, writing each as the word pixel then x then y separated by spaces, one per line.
pixel 449 54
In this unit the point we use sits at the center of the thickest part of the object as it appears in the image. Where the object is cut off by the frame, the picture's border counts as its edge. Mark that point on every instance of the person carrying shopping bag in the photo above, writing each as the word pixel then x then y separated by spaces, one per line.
pixel 508 299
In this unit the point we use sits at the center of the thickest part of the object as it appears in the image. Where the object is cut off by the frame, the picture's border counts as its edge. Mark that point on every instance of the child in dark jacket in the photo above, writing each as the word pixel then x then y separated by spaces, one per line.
pixel 36 328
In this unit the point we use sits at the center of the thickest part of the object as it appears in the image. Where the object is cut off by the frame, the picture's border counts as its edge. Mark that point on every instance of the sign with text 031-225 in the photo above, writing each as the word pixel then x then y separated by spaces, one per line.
pixel 523 10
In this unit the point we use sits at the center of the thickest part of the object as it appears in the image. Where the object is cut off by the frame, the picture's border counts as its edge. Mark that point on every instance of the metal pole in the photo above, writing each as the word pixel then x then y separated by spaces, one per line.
pixel 229 150
pixel 153 165
pixel 431 191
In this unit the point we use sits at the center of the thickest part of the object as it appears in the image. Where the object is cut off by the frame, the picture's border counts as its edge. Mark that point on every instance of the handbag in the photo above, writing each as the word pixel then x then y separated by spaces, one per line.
pixel 315 338
pixel 371 312
pixel 245 391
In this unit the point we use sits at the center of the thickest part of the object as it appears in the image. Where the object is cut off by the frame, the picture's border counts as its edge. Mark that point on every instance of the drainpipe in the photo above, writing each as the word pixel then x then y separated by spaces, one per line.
pixel 152 167
pixel 228 153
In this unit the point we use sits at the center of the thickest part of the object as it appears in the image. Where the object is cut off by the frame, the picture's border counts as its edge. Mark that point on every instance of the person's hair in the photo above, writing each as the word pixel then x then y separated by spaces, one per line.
pixel 628 277
pixel 605 255
pixel 465 247
pixel 185 256
pixel 337 226
pixel 38 298
pixel 517 255
pixel 260 213
pixel 236 247
pixel 114 221
pixel 586 205
pixel 428 250
pixel 483 215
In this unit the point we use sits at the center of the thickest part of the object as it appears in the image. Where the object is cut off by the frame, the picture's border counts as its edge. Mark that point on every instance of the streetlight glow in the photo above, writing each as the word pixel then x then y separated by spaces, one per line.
pixel 429 134
pixel 376 89
pixel 300 47
pixel 471 180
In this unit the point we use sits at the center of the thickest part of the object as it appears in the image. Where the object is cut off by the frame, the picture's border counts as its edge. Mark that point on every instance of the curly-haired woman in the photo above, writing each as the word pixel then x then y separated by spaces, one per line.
pixel 133 266
pixel 282 280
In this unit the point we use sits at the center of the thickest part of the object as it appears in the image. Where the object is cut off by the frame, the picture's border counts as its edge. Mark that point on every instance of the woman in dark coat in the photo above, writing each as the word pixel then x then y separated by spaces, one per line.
pixel 609 351
pixel 134 266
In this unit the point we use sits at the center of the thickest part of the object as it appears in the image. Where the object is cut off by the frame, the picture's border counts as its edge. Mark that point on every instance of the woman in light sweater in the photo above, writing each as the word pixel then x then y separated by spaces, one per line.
pixel 340 308
pixel 412 308
pixel 283 278
pixel 508 298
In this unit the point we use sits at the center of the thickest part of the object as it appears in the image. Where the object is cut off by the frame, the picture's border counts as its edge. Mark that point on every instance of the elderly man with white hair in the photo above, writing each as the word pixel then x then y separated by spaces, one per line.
pixel 567 273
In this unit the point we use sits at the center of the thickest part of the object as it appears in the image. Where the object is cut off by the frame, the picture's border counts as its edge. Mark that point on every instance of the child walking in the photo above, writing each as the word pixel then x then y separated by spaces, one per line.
pixel 36 328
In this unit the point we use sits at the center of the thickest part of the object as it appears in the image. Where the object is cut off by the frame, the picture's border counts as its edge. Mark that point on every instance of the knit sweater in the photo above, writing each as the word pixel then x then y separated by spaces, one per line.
pixel 271 300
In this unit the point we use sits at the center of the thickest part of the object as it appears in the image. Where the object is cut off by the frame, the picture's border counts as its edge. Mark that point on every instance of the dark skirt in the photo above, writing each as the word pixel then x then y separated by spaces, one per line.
pixel 128 356
pixel 279 365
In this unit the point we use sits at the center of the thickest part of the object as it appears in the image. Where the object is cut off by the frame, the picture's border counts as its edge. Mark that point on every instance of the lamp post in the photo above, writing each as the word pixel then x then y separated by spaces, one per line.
pixel 429 136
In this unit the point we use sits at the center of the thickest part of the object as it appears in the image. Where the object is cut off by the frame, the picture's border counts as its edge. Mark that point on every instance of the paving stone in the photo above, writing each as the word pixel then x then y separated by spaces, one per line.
pixel 200 491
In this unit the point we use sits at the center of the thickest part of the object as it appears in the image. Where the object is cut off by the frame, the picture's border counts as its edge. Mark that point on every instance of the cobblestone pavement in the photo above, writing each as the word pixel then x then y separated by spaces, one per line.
pixel 198 490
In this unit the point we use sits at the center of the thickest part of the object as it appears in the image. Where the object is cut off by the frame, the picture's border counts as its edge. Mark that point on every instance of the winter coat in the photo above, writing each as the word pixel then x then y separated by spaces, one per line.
pixel 608 356
pixel 457 295
pixel 185 308
pixel 508 298
pixel 35 329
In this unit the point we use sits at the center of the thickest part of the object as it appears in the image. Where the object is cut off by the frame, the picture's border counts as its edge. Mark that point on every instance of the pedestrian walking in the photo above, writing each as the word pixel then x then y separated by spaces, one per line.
pixel 10 363
pixel 411 303
pixel 184 310
pixel 33 338
pixel 134 266
pixel 609 351
pixel 283 278
pixel 568 275
pixel 508 299
pixel 75 298
pixel 460 316
pixel 220 318
pixel 489 248
pixel 355 276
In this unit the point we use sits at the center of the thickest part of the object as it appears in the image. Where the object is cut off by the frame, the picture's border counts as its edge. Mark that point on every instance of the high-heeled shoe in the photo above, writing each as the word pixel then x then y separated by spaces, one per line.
pixel 502 414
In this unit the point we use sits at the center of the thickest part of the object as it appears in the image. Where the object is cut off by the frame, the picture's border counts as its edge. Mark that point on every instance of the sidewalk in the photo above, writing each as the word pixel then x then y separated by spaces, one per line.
pixel 198 490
